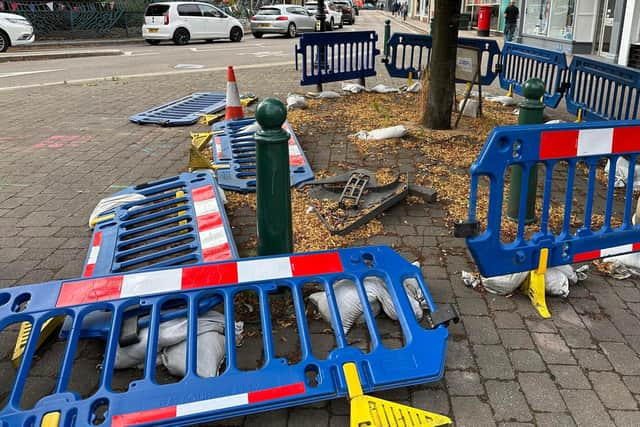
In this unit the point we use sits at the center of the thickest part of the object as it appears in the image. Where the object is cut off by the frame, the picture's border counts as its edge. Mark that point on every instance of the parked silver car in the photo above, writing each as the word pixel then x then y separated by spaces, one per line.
pixel 287 19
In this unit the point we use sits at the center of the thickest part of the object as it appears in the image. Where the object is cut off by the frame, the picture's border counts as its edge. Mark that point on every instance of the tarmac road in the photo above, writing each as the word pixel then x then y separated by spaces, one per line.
pixel 142 60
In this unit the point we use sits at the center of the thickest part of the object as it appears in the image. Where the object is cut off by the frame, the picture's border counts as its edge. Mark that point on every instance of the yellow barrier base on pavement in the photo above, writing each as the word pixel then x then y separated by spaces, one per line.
pixel 51 419
pixel 48 328
pixel 535 286
pixel 373 412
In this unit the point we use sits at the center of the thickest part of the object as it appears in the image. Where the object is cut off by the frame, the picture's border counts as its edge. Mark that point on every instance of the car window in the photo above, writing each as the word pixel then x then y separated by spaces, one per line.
pixel 189 10
pixel 156 10
pixel 210 11
pixel 291 10
pixel 269 11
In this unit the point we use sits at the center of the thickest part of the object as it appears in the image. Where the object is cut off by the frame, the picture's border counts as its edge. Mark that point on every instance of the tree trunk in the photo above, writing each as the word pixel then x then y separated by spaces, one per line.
pixel 442 68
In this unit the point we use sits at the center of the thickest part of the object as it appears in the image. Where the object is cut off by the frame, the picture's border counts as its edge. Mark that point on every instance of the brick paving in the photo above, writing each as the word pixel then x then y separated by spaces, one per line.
pixel 505 365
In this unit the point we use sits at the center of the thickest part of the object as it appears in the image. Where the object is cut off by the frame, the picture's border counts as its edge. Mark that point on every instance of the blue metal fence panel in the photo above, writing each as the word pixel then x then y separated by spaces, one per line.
pixel 181 220
pixel 233 145
pixel 234 392
pixel 412 53
pixel 603 91
pixel 521 63
pixel 184 111
pixel 559 148
pixel 348 55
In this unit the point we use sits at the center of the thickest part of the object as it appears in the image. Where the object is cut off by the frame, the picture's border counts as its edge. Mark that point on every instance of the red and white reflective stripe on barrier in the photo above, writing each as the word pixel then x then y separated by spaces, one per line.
pixel 192 408
pixel 602 253
pixel 75 292
pixel 561 144
pixel 218 144
pixel 93 255
pixel 295 155
pixel 211 231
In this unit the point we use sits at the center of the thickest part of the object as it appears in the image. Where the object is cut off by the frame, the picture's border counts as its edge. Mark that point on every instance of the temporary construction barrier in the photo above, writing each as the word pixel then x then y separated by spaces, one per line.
pixel 561 151
pixel 521 63
pixel 184 111
pixel 232 144
pixel 332 57
pixel 181 220
pixel 234 392
pixel 411 53
pixel 603 91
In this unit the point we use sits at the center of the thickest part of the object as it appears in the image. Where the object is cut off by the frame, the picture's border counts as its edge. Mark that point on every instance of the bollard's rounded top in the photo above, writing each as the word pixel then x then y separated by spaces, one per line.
pixel 533 89
pixel 387 21
pixel 271 114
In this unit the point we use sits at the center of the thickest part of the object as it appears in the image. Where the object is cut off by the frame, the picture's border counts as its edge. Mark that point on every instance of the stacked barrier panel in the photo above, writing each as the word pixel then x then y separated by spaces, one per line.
pixel 234 392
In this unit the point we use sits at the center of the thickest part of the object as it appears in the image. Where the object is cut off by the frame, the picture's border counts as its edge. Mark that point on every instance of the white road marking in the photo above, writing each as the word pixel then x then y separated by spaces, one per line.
pixel 263 54
pixel 25 73
pixel 131 53
pixel 157 74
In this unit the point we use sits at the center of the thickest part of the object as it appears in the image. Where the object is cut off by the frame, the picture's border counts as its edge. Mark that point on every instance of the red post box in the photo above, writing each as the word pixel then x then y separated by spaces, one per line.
pixel 484 20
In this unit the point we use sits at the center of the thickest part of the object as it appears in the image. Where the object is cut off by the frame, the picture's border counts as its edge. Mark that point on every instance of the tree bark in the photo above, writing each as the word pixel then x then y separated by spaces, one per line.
pixel 442 68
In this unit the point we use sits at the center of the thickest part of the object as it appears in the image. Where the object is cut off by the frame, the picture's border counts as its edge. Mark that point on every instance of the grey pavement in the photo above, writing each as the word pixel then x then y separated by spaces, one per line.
pixel 64 147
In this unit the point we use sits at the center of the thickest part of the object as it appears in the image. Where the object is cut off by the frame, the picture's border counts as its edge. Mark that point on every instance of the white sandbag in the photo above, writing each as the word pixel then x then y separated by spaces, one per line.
pixel 622 172
pixel 171 333
pixel 556 283
pixel 384 89
pixel 635 216
pixel 210 355
pixel 348 301
pixel 112 202
pixel 255 126
pixel 296 102
pixel 414 87
pixel 505 284
pixel 325 94
pixel 349 305
pixel 569 273
pixel 352 87
pixel 503 99
pixel 382 133
pixel 470 108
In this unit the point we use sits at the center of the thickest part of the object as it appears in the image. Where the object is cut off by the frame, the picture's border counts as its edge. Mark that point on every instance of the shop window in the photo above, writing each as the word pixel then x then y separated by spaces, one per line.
pixel 549 18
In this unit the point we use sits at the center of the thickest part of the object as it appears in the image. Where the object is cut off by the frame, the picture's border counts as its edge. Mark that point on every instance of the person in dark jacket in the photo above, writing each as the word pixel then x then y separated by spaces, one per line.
pixel 511 14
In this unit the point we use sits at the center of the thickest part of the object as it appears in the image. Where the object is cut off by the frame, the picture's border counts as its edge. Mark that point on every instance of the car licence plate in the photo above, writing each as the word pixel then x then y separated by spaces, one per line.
pixel 264 25
pixel 153 30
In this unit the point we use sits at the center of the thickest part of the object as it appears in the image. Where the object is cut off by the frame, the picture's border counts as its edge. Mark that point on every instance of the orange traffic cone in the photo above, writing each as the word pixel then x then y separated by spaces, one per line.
pixel 234 107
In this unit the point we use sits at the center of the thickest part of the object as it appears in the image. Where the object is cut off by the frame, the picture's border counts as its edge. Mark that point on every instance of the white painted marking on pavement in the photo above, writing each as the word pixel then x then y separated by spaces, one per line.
pixel 157 74
pixel 24 73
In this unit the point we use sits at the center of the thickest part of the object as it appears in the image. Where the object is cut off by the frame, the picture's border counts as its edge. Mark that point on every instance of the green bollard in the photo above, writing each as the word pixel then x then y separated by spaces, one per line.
pixel 387 35
pixel 530 114
pixel 273 205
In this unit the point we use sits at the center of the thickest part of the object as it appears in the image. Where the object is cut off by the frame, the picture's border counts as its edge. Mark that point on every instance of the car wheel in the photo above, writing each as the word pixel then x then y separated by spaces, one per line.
pixel 257 35
pixel 331 25
pixel 4 42
pixel 341 25
pixel 181 36
pixel 152 42
pixel 235 35
pixel 291 31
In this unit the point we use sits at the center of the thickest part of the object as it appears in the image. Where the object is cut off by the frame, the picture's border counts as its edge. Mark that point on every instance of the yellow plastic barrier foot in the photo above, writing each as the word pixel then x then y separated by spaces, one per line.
pixel 579 119
pixel 180 194
pixel 198 161
pixel 247 100
pixel 48 328
pixel 373 412
pixel 207 119
pixel 52 419
pixel 510 91
pixel 96 220
pixel 200 139
pixel 410 79
pixel 535 287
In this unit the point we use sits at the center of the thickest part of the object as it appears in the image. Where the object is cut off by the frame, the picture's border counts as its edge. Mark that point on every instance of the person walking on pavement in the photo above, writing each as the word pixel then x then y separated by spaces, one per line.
pixel 511 14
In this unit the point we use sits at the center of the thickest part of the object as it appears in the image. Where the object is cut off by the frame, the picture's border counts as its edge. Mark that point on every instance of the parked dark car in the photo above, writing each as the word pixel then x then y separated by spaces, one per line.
pixel 348 11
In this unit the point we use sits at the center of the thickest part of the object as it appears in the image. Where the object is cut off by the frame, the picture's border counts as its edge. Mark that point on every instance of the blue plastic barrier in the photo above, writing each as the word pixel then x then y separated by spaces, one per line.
pixel 184 111
pixel 348 55
pixel 181 220
pixel 412 53
pixel 234 392
pixel 521 63
pixel 232 145
pixel 602 91
pixel 557 147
